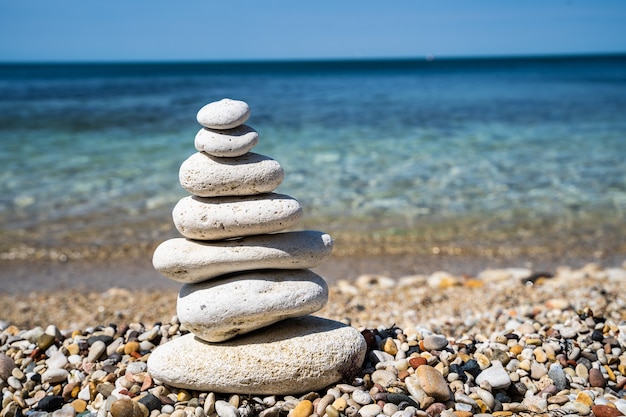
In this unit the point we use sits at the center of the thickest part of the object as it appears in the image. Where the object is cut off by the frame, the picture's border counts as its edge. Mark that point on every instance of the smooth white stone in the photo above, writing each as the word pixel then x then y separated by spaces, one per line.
pixel 218 218
pixel 222 308
pixel 210 176
pixel 293 356
pixel 226 143
pixel 190 261
pixel 54 375
pixel 224 114
pixel 224 409
pixel 496 375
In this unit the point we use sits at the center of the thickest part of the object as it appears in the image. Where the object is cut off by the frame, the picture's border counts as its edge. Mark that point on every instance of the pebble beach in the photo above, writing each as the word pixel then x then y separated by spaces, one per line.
pixel 509 341
pixel 445 269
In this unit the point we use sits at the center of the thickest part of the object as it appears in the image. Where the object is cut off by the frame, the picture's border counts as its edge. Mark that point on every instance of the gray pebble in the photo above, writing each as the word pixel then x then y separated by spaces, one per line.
pixel 557 375
pixel 435 342
pixel 136 367
pixel 96 350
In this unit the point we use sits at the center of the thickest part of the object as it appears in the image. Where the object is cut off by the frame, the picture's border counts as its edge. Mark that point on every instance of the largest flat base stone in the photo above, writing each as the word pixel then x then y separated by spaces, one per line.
pixel 290 357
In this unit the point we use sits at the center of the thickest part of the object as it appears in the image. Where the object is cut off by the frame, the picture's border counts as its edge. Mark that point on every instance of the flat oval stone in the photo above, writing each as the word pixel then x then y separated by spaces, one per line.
pixel 290 357
pixel 224 114
pixel 214 218
pixel 226 143
pixel 210 176
pixel 223 308
pixel 191 261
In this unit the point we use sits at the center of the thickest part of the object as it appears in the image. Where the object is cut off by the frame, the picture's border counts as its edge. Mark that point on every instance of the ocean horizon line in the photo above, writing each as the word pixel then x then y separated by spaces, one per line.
pixel 428 58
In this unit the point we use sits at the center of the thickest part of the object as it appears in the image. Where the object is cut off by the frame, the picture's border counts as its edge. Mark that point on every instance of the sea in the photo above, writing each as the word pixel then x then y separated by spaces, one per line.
pixel 429 154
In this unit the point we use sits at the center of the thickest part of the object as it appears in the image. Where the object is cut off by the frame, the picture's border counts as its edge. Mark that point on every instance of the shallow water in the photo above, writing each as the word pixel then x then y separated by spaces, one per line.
pixel 504 148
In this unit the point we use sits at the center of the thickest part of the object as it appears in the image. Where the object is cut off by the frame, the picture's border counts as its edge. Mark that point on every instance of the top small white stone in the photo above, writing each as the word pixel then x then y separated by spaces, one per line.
pixel 224 114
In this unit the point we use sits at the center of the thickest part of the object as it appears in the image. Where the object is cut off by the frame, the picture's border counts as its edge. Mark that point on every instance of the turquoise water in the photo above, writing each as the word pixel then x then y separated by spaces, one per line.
pixel 365 144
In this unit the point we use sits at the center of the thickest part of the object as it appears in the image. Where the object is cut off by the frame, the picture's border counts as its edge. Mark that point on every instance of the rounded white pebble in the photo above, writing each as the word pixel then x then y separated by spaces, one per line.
pixel 227 217
pixel 220 309
pixel 224 409
pixel 227 143
pixel 186 260
pixel 224 114
pixel 54 375
pixel 210 176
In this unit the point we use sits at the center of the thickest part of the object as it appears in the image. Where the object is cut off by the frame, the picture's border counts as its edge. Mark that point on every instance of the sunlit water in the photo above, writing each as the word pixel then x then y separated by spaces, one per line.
pixel 365 145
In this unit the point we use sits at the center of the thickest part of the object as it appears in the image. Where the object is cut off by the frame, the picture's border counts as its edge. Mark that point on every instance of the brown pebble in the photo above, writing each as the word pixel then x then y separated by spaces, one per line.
pixel 126 408
pixel 462 413
pixel 147 383
pixel 73 349
pixel 67 390
pixel 79 405
pixel 303 409
pixel 340 404
pixel 131 347
pixel 605 411
pixel 45 341
pixel 585 398
pixel 390 347
pixel 417 361
pixel 435 409
pixel 7 365
pixel 433 383
pixel 596 379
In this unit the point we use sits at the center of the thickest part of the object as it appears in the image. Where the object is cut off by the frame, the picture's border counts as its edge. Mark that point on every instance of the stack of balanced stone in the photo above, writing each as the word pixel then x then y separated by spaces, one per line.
pixel 248 290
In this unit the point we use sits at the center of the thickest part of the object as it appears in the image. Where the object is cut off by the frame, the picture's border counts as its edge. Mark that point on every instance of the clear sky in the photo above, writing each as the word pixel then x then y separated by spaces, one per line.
pixel 200 30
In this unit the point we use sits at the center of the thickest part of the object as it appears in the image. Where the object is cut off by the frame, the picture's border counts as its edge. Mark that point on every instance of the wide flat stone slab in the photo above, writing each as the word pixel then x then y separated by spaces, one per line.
pixel 226 143
pixel 290 357
pixel 211 176
pixel 215 218
pixel 191 261
pixel 223 308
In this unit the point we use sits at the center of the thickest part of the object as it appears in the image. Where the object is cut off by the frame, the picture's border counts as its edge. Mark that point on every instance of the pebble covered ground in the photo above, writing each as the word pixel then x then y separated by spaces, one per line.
pixel 503 342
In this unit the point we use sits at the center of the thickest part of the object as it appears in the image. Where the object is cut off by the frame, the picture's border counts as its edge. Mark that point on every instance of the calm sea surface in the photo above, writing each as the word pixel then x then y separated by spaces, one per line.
pixel 514 147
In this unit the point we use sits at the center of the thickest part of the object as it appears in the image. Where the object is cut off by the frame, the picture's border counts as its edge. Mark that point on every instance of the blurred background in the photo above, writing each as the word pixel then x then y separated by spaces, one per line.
pixel 423 136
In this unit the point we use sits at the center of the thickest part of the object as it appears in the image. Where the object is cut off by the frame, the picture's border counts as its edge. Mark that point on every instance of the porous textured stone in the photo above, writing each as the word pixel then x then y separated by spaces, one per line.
pixel 227 217
pixel 293 356
pixel 220 309
pixel 224 114
pixel 190 261
pixel 226 143
pixel 211 176
pixel 248 289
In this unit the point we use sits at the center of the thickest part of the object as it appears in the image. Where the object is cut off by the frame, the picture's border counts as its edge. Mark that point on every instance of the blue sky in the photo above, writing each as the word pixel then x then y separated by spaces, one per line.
pixel 200 30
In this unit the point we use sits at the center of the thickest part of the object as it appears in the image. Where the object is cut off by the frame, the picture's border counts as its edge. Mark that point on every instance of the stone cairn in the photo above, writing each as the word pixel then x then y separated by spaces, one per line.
pixel 247 291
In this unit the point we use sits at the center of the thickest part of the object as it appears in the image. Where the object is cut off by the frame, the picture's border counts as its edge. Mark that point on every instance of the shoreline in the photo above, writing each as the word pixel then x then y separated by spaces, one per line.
pixel 365 295
pixel 136 272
